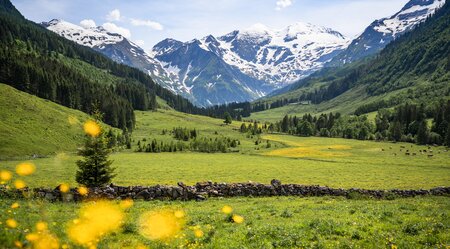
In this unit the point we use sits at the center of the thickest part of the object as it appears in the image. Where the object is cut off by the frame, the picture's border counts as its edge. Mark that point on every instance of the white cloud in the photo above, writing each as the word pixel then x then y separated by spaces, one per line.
pixel 140 43
pixel 281 4
pixel 88 23
pixel 111 27
pixel 148 23
pixel 113 15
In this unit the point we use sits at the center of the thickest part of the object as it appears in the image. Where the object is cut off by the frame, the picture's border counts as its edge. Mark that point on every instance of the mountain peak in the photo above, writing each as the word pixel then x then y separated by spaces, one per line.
pixel 381 32
pixel 91 37
pixel 257 28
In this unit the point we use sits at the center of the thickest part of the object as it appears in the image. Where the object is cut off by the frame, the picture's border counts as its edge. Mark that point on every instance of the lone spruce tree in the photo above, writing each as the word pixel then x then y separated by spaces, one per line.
pixel 94 170
pixel 228 118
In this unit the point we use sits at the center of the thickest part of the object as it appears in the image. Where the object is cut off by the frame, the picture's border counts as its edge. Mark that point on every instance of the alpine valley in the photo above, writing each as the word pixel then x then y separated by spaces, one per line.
pixel 284 138
pixel 248 64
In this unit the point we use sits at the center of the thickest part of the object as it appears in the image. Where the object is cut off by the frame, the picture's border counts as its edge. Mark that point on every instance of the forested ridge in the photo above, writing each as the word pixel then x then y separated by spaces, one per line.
pixel 418 60
pixel 29 61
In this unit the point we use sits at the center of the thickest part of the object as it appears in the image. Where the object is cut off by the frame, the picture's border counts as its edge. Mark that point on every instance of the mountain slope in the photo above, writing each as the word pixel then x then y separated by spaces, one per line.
pixel 382 32
pixel 33 126
pixel 415 67
pixel 31 61
pixel 114 46
pixel 249 63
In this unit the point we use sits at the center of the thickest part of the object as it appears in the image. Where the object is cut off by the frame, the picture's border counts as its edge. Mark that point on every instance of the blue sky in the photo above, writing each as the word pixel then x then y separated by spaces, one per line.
pixel 150 21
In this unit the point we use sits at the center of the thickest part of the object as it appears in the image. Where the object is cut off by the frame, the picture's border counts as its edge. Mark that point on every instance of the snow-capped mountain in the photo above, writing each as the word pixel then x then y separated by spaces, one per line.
pixel 382 32
pixel 244 65
pixel 114 46
pixel 239 66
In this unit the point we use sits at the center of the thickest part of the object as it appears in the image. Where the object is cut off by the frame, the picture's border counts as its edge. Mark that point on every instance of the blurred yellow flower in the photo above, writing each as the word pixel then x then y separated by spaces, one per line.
pixel 73 120
pixel 97 219
pixel 15 205
pixel 11 223
pixel 24 169
pixel 5 175
pixel 83 190
pixel 64 187
pixel 19 184
pixel 41 226
pixel 160 225
pixel 393 246
pixel 127 203
pixel 45 241
pixel 18 244
pixel 179 213
pixel 198 233
pixel 32 237
pixel 238 219
pixel 92 128
pixel 227 209
pixel 141 247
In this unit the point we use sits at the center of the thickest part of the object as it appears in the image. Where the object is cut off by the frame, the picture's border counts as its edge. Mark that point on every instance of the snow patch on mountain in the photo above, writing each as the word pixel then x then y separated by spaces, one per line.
pixel 408 17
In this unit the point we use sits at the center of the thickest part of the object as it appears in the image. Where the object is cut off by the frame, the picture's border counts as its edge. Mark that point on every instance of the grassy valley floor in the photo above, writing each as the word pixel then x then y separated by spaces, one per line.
pixel 277 222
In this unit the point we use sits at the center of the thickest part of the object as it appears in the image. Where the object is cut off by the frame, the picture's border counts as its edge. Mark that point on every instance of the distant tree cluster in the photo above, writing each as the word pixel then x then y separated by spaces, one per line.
pixel 255 128
pixel 211 145
pixel 408 123
pixel 198 144
pixel 405 123
pixel 120 139
pixel 307 125
pixel 159 146
pixel 184 134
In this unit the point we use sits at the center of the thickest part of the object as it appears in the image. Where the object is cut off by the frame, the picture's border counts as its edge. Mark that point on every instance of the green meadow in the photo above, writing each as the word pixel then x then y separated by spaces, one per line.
pixel 275 222
pixel 325 161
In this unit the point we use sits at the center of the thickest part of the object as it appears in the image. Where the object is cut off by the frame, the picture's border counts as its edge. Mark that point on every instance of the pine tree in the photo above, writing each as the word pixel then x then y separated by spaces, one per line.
pixel 423 132
pixel 447 136
pixel 395 131
pixel 285 124
pixel 95 169
pixel 228 119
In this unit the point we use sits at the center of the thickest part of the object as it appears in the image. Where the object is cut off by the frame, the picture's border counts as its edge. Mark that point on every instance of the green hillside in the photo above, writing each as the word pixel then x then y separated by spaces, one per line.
pixel 33 126
pixel 414 68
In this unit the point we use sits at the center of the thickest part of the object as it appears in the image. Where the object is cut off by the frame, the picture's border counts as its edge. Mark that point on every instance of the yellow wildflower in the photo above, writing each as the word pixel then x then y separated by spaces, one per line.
pixel 64 188
pixel 18 244
pixel 41 226
pixel 179 213
pixel 160 225
pixel 32 237
pixel 19 184
pixel 227 209
pixel 198 233
pixel 127 203
pixel 24 169
pixel 72 120
pixel 11 223
pixel 83 190
pixel 46 241
pixel 238 219
pixel 5 175
pixel 92 128
pixel 96 220
pixel 15 205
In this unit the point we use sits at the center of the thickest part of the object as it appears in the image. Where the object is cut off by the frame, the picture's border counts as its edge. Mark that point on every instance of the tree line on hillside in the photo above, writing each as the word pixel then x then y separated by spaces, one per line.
pixel 29 61
pixel 406 123
pixel 196 144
